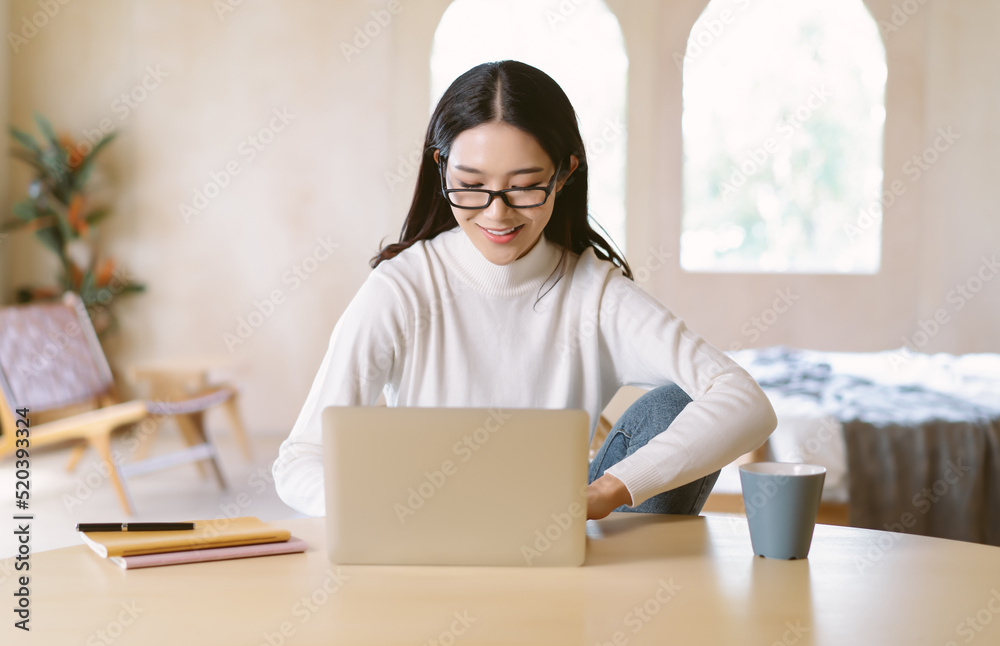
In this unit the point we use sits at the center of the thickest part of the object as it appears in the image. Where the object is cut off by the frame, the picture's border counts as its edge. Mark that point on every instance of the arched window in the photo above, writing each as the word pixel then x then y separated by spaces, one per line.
pixel 784 107
pixel 594 77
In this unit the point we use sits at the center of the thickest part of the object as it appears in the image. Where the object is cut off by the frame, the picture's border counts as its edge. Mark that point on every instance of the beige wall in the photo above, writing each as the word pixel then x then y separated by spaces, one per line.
pixel 961 215
pixel 221 78
pixel 942 74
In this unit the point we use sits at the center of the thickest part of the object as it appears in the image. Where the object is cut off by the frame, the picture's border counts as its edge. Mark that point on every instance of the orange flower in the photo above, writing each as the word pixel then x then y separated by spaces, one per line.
pixel 74 152
pixel 75 215
pixel 104 272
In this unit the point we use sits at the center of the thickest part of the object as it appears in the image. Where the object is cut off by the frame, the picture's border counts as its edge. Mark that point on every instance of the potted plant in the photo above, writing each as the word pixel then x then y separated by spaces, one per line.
pixel 59 213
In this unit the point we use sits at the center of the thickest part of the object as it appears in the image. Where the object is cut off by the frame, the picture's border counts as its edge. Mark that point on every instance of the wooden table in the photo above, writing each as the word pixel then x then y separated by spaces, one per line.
pixel 647 580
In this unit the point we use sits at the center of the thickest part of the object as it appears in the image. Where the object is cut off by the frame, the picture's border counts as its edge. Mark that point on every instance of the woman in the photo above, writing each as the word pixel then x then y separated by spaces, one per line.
pixel 499 293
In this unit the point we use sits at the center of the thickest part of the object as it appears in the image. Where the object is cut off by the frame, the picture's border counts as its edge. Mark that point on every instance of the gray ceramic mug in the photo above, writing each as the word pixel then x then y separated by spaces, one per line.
pixel 781 500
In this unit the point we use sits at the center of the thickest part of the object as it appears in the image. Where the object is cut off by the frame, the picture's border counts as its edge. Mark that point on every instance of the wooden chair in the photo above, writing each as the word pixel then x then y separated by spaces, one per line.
pixel 52 364
pixel 179 379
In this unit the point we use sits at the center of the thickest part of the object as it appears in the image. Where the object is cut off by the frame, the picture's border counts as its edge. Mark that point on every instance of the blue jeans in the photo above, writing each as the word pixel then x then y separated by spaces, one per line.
pixel 644 419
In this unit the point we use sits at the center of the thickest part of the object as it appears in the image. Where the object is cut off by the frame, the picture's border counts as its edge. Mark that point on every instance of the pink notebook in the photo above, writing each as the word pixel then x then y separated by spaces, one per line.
pixel 290 546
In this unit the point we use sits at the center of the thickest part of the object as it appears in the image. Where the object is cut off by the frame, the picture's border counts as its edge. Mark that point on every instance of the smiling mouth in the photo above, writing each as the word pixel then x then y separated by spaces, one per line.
pixel 501 236
pixel 502 232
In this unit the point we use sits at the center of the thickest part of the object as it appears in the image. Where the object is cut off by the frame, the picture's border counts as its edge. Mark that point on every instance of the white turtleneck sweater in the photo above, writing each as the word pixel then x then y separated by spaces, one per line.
pixel 440 325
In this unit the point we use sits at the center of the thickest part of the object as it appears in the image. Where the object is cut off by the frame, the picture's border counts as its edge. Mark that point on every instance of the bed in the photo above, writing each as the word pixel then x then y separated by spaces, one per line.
pixel 911 441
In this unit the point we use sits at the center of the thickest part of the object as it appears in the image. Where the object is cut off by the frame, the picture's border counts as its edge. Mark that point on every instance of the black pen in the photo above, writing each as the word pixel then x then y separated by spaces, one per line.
pixel 133 527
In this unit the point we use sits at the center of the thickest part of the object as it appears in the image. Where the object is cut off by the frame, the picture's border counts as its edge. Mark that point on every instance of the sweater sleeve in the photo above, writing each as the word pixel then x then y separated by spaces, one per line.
pixel 650 347
pixel 358 361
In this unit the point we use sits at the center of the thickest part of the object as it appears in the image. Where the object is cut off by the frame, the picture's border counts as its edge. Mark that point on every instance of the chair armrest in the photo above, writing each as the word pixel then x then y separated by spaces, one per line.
pixel 97 421
pixel 198 402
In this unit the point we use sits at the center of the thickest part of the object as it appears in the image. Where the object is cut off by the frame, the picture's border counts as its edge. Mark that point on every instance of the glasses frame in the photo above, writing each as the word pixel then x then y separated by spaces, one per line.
pixel 502 193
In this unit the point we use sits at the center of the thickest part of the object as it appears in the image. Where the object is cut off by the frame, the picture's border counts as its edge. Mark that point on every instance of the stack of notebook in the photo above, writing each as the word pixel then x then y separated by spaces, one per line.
pixel 210 540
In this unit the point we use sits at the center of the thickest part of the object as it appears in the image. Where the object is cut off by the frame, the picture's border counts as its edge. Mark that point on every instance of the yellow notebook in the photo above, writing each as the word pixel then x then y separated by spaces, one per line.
pixel 218 532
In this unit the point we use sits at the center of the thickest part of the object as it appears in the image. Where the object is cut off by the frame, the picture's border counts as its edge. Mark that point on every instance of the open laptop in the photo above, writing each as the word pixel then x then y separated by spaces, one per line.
pixel 455 486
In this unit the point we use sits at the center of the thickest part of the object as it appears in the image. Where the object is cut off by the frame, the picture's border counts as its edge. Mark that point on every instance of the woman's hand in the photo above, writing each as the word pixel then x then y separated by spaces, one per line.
pixel 604 495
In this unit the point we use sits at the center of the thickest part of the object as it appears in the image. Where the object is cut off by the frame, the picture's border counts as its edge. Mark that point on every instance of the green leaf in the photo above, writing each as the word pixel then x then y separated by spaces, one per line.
pixel 65 229
pixel 46 128
pixel 95 297
pixel 87 291
pixel 133 287
pixel 56 167
pixel 104 141
pixel 53 156
pixel 62 158
pixel 26 210
pixel 25 140
pixel 96 216
pixel 62 193
pixel 87 165
pixel 81 175
pixel 51 238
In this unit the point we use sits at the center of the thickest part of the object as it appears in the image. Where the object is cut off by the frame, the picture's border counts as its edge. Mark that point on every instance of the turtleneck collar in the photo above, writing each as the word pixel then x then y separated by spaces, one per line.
pixel 524 275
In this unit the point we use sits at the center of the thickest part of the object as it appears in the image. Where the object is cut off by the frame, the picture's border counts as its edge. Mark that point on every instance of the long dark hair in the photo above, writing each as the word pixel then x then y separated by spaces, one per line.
pixel 526 98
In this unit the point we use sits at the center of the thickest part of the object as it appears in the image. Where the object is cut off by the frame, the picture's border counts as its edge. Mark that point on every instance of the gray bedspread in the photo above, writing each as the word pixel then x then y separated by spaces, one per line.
pixel 919 461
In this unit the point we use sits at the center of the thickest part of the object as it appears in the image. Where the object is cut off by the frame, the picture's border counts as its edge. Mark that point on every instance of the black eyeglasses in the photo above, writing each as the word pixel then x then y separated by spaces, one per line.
pixel 480 198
